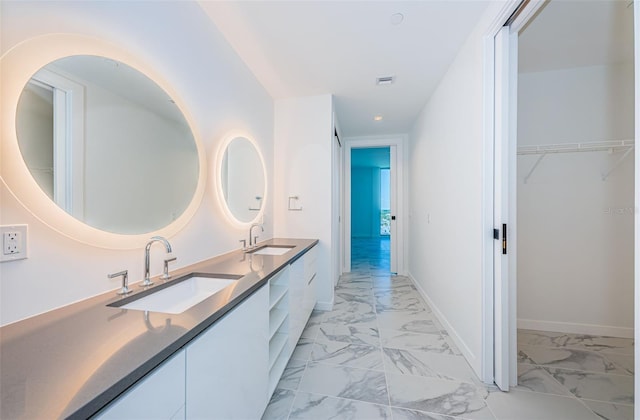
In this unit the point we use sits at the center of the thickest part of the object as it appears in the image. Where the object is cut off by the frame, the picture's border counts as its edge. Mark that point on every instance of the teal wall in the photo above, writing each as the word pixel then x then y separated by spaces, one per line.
pixel 365 190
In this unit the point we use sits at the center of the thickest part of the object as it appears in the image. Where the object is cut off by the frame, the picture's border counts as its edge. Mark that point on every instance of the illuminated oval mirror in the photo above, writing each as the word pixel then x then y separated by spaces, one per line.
pixel 107 144
pixel 242 179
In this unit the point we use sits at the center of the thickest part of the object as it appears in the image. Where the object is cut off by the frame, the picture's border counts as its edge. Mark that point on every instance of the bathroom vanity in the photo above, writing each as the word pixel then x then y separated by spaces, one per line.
pixel 211 341
pixel 221 358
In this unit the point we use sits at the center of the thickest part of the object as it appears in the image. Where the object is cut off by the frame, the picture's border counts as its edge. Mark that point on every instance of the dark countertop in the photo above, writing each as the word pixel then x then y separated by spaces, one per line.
pixel 72 361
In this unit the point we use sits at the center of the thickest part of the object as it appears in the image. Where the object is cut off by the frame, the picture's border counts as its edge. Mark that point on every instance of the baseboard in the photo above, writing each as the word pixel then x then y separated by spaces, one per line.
pixel 472 359
pixel 324 306
pixel 574 328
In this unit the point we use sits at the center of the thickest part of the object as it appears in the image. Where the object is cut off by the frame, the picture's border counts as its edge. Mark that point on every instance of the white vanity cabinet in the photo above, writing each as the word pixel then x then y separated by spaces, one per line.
pixel 228 364
pixel 230 370
pixel 159 395
pixel 302 292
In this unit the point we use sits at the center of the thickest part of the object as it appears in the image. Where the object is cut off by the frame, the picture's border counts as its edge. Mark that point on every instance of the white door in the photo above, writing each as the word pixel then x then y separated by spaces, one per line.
pixel 506 73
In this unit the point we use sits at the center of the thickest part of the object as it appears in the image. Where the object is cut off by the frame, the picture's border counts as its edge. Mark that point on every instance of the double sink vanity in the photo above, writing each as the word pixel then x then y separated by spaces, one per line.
pixel 211 342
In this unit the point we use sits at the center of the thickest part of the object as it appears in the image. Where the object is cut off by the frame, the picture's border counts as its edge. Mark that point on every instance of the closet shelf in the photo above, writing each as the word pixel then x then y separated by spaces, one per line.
pixel 601 146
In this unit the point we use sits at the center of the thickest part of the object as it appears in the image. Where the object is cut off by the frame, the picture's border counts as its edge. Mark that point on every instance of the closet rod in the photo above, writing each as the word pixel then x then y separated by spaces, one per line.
pixel 602 146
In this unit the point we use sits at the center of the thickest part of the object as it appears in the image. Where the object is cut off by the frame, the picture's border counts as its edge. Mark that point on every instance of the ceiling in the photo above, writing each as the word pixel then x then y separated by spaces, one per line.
pixel 303 48
pixel 567 34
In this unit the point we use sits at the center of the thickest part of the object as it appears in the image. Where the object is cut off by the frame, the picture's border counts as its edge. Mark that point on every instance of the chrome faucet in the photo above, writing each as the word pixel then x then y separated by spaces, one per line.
pixel 124 290
pixel 255 238
pixel 167 246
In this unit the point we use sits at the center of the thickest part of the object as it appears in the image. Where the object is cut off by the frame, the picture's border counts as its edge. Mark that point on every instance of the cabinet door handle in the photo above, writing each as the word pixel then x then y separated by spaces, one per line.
pixel 311 279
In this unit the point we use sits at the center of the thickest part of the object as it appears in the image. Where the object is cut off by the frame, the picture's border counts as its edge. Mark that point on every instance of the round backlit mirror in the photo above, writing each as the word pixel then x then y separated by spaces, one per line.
pixel 107 144
pixel 242 180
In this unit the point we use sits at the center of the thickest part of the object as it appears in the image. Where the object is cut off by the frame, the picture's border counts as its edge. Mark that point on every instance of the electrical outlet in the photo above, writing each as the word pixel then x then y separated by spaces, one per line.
pixel 14 242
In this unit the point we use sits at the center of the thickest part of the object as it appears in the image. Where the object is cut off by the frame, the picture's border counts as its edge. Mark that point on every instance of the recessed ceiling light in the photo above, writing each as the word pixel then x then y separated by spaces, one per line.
pixel 384 80
pixel 396 18
pixel 377 118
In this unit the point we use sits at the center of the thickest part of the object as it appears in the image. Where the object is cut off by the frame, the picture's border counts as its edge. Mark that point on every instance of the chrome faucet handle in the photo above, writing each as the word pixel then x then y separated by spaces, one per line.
pixel 255 241
pixel 165 275
pixel 244 244
pixel 124 290
pixel 146 282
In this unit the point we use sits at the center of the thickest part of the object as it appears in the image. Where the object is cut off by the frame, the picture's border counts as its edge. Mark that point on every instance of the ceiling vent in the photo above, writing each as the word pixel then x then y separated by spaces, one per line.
pixel 385 80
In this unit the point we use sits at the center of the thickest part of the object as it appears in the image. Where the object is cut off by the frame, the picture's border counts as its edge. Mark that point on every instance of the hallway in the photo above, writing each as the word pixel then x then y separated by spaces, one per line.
pixel 382 354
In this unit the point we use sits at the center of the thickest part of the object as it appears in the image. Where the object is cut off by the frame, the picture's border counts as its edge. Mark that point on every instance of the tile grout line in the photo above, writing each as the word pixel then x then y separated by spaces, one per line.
pixel 384 365
pixel 587 407
pixel 296 391
pixel 606 402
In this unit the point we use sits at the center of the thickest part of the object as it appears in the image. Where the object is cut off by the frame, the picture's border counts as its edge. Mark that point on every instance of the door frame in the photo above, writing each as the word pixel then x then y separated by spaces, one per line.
pixel 399 238
pixel 68 140
pixel 636 285
pixel 337 205
pixel 499 348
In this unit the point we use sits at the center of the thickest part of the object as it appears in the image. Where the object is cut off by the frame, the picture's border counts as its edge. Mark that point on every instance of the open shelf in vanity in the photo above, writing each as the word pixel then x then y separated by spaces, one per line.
pixel 279 350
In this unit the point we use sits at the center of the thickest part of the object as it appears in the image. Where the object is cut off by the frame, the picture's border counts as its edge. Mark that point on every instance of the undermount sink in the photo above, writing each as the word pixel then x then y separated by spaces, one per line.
pixel 272 250
pixel 180 295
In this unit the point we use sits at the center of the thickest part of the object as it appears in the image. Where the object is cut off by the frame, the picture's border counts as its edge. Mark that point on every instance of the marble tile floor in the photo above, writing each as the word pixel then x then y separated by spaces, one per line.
pixel 599 371
pixel 381 353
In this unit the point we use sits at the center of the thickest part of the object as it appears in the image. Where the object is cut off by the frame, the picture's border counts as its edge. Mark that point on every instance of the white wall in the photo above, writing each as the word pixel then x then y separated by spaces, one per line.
pixel 445 196
pixel 139 166
pixel 35 128
pixel 303 146
pixel 245 180
pixel 575 231
pixel 181 43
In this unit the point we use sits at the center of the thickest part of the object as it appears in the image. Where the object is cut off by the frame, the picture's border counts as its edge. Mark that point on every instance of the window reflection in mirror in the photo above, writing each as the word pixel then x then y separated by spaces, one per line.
pixel 242 178
pixel 107 144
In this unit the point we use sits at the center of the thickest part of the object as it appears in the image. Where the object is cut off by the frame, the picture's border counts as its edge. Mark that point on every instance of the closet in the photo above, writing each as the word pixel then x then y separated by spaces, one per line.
pixel 575 194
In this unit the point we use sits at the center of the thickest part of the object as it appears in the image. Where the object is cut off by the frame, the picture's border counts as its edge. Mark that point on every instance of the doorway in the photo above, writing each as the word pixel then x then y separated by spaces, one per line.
pixel 541 163
pixel 370 209
pixel 575 124
pixel 50 126
pixel 382 224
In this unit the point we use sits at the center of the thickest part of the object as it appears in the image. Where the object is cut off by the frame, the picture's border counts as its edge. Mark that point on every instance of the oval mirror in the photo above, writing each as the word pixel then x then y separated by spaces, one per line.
pixel 242 180
pixel 107 144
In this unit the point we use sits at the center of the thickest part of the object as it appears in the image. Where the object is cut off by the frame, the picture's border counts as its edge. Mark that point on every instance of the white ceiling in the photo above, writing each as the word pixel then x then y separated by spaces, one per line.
pixel 567 34
pixel 302 48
